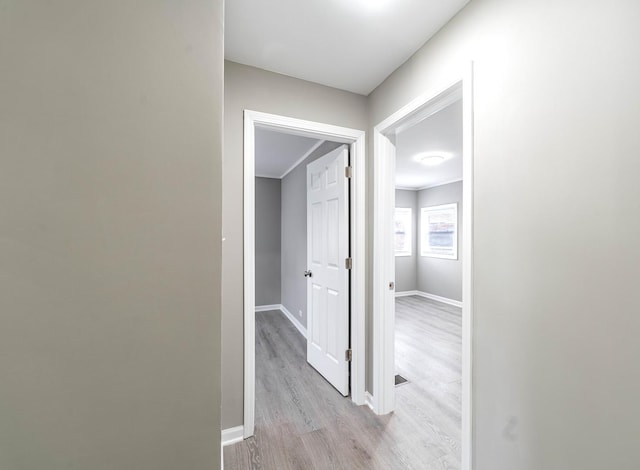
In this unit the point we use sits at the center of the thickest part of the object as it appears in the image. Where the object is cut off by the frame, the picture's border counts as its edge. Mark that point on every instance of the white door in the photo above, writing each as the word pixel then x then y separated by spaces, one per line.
pixel 328 278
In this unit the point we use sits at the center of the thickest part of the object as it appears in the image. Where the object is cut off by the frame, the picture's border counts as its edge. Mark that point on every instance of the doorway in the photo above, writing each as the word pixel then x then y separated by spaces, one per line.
pixel 355 140
pixel 458 88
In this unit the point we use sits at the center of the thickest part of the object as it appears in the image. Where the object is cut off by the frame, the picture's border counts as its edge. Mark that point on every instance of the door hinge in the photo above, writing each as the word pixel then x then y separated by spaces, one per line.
pixel 348 171
pixel 348 355
pixel 348 263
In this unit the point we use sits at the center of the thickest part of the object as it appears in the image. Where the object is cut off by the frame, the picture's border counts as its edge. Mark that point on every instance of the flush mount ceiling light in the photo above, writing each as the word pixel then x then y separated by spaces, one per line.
pixel 430 159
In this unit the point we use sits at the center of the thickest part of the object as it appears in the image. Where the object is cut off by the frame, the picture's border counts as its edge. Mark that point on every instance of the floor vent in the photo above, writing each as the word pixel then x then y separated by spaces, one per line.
pixel 400 380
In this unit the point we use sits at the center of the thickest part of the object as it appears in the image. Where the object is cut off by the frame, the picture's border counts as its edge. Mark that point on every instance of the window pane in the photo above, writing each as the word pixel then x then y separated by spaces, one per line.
pixel 403 231
pixel 439 231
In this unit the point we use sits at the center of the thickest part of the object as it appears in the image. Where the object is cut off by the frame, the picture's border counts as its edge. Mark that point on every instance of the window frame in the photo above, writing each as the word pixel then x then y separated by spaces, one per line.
pixel 424 230
pixel 408 231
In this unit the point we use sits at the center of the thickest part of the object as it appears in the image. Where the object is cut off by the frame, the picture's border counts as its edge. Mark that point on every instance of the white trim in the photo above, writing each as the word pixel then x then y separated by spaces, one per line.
pixel 468 298
pixel 232 435
pixel 383 273
pixel 356 139
pixel 429 186
pixel 304 157
pixel 268 308
pixel 294 320
pixel 437 298
pixel 410 221
pixel 368 400
pixel 429 103
pixel 249 290
pixel 457 180
pixel 358 211
pixel 426 295
pixel 424 231
pixel 406 293
pixel 415 111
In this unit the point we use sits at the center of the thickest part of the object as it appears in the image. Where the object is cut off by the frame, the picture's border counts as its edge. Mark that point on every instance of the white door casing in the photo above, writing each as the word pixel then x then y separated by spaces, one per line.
pixel 356 140
pixel 327 275
pixel 456 84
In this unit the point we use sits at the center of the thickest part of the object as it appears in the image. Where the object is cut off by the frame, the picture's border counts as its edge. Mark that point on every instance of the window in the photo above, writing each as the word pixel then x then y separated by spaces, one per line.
pixel 439 231
pixel 402 231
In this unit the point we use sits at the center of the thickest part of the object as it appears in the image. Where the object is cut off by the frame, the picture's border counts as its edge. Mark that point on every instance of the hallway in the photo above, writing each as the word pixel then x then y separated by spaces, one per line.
pixel 303 423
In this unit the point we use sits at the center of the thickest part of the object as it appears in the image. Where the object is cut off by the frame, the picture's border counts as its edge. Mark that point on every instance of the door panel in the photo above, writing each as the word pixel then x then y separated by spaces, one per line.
pixel 327 249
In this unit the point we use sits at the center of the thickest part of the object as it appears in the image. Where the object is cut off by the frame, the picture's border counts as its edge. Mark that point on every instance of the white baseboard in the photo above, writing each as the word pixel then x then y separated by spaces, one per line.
pixel 426 295
pixel 368 400
pixel 294 320
pixel 406 293
pixel 437 298
pixel 267 308
pixel 286 313
pixel 232 435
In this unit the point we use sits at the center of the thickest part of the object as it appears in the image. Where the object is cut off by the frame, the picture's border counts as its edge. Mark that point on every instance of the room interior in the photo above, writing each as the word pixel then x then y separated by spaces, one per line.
pixel 428 306
pixel 429 173
pixel 281 161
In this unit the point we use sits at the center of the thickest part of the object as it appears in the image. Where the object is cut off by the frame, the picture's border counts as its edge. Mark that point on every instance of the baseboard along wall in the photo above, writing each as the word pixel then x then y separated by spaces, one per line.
pixel 368 400
pixel 426 295
pixel 232 435
pixel 286 313
pixel 268 308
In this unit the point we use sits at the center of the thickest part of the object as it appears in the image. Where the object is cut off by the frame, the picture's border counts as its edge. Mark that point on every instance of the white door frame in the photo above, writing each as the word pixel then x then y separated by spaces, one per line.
pixel 356 140
pixel 460 85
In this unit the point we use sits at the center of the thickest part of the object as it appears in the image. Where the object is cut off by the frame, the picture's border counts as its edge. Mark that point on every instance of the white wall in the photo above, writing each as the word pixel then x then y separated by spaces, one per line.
pixel 110 243
pixel 556 236
pixel 259 90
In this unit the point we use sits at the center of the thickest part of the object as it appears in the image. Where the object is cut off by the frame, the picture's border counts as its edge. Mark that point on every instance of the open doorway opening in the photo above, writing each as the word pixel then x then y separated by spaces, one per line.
pixel 442 230
pixel 291 168
pixel 428 237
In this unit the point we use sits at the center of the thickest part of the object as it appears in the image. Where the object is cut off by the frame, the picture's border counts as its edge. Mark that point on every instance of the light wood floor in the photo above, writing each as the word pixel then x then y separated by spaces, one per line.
pixel 302 422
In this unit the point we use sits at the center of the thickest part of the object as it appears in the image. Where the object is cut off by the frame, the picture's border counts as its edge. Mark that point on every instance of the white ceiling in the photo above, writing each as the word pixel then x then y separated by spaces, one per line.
pixel 276 153
pixel 440 133
pixel 348 44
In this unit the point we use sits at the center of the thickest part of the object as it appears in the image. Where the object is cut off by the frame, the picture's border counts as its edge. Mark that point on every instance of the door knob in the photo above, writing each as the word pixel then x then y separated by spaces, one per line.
pixel 308 274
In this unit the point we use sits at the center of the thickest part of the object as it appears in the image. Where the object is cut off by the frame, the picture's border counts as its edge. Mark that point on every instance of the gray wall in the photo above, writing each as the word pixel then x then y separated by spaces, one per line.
pixel 442 277
pixel 110 177
pixel 255 89
pixel 406 266
pixel 294 235
pixel 556 232
pixel 268 252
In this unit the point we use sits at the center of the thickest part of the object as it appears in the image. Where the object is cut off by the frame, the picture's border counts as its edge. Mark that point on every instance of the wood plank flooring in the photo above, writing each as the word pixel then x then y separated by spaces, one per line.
pixel 303 423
